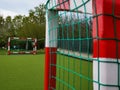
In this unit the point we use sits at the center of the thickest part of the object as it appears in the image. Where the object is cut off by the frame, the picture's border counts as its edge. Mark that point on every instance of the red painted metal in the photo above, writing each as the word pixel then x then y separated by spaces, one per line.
pixel 63 5
pixel 8 52
pixel 105 30
pixel 50 68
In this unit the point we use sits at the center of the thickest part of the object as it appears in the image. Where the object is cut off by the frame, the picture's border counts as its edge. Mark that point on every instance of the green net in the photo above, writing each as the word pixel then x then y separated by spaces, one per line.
pixel 74 67
pixel 17 45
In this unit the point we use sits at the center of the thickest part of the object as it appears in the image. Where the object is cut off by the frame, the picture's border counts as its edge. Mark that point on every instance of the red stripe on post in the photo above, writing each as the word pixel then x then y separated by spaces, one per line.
pixel 31 52
pixel 50 58
pixel 63 5
pixel 107 29
pixel 106 49
pixel 9 52
pixel 35 43
pixel 106 6
pixel 8 43
pixel 34 52
pixel 8 48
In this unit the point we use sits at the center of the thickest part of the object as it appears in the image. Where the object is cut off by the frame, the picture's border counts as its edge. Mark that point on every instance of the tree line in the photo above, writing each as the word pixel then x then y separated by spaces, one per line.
pixel 32 26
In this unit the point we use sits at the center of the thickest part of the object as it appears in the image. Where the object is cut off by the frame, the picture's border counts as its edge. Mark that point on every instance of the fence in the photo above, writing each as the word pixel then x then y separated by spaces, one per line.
pixel 82 45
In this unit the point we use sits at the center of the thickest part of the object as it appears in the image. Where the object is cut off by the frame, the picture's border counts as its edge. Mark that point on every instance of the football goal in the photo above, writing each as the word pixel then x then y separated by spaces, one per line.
pixel 18 45
pixel 82 45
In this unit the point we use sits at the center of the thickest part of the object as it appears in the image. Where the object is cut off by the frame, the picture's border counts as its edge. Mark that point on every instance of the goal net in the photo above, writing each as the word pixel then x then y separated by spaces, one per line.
pixel 82 45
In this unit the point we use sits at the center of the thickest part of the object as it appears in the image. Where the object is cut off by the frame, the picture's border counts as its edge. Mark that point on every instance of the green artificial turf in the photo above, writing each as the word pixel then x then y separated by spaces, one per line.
pixel 21 72
pixel 73 74
pixel 26 72
pixel 3 52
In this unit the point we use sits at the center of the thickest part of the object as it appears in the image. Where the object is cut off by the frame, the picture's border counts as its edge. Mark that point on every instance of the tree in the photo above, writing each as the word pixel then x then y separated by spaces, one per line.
pixel 3 32
pixel 24 26
pixel 38 14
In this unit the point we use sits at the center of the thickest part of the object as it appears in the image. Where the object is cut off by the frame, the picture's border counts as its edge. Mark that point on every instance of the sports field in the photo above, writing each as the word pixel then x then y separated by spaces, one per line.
pixel 21 72
pixel 26 72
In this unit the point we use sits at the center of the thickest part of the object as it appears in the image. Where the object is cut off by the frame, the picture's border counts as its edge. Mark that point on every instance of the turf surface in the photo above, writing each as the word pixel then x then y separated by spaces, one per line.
pixel 26 72
pixel 21 72
pixel 73 74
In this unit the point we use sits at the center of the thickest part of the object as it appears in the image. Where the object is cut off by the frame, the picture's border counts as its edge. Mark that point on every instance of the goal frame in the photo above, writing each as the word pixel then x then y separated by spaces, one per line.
pixel 106 44
pixel 34 51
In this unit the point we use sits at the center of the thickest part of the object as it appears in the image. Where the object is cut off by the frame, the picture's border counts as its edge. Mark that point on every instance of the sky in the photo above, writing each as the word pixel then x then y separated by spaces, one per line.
pixel 15 7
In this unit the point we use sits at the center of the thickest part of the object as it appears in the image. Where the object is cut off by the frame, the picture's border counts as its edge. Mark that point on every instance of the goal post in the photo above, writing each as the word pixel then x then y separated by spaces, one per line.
pixel 23 48
pixel 82 45
pixel 106 50
pixel 50 49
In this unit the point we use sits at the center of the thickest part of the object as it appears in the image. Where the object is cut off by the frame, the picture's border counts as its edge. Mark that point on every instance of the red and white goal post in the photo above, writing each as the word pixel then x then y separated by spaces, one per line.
pixel 34 40
pixel 106 44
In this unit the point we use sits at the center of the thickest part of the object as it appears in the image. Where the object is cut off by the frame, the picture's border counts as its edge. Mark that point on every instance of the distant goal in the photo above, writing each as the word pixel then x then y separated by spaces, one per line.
pixel 17 45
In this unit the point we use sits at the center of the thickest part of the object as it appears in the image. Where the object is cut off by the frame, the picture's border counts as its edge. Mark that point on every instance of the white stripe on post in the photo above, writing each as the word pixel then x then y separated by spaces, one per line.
pixel 35 46
pixel 47 31
pixel 16 38
pixel 9 46
pixel 15 52
pixel 8 43
pixel 27 52
pixel 77 3
pixel 29 38
pixel 51 26
pixel 106 51
pixel 108 74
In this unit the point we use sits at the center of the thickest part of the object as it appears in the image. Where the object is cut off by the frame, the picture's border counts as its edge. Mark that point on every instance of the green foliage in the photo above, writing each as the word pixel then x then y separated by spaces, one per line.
pixel 32 25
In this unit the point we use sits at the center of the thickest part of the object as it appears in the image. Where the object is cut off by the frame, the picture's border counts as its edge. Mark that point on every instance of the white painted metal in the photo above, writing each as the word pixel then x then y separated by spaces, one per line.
pixel 80 5
pixel 51 28
pixel 9 43
pixel 108 74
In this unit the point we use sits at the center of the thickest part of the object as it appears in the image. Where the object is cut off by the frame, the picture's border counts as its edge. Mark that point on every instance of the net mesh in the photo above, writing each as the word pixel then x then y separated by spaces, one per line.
pixel 74 67
pixel 21 45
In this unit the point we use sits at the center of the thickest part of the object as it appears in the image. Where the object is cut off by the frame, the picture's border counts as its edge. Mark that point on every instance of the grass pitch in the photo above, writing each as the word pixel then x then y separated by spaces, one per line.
pixel 21 72
pixel 26 72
